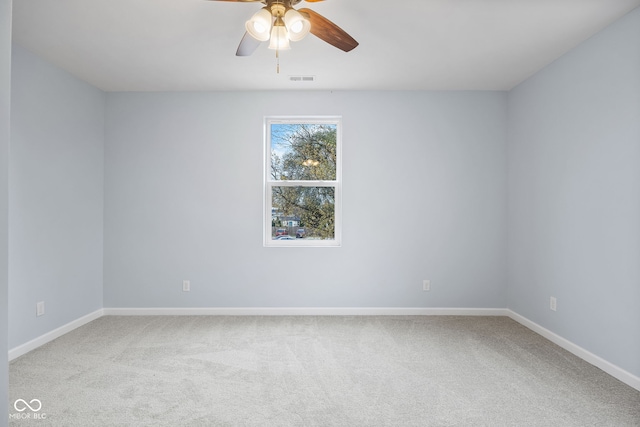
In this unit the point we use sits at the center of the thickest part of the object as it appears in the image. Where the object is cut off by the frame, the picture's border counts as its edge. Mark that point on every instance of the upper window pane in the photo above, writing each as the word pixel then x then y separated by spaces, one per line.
pixel 303 151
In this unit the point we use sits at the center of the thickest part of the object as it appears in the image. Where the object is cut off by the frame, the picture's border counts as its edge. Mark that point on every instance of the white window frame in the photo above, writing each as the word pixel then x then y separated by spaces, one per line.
pixel 269 183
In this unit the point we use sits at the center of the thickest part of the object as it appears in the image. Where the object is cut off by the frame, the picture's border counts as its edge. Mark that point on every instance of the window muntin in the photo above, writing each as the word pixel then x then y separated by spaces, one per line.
pixel 302 181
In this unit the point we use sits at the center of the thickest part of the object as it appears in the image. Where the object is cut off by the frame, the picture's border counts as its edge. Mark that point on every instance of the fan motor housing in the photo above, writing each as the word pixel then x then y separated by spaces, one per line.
pixel 286 3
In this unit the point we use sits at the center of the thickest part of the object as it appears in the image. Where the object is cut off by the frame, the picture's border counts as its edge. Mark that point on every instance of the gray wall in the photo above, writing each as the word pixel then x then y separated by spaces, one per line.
pixel 424 197
pixel 574 195
pixel 5 90
pixel 56 197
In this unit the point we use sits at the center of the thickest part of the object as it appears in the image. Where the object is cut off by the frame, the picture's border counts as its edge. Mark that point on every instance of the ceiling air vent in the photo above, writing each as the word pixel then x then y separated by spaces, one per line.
pixel 302 78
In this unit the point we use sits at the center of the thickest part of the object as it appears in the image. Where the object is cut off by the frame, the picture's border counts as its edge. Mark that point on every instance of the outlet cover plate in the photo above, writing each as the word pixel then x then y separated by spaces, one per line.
pixel 40 308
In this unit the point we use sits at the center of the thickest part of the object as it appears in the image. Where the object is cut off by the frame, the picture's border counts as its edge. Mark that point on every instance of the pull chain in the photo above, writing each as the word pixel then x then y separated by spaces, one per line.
pixel 277 61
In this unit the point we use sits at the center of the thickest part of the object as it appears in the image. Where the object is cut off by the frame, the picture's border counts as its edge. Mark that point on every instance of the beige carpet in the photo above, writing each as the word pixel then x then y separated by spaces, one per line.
pixel 312 371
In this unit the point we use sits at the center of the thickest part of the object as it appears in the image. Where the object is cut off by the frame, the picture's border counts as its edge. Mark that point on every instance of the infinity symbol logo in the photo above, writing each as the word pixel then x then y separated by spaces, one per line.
pixel 24 405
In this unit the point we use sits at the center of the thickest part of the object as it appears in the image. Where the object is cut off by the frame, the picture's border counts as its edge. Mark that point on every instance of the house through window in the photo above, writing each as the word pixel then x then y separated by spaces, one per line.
pixel 302 181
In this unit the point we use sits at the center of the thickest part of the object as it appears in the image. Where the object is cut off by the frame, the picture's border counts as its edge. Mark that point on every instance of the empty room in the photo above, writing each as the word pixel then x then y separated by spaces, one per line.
pixel 320 213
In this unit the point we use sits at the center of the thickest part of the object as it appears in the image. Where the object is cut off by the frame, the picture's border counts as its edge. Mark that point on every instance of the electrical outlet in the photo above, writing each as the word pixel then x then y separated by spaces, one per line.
pixel 40 308
pixel 426 285
pixel 552 303
pixel 186 286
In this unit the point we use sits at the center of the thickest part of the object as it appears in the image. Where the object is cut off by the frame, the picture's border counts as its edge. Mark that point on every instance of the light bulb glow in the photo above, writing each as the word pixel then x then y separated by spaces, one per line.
pixel 259 27
pixel 297 27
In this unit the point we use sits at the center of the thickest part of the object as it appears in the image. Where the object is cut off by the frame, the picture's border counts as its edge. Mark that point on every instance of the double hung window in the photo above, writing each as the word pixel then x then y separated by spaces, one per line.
pixel 302 181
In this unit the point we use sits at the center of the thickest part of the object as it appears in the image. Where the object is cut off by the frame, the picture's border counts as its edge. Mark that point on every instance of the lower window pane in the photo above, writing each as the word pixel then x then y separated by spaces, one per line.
pixel 303 213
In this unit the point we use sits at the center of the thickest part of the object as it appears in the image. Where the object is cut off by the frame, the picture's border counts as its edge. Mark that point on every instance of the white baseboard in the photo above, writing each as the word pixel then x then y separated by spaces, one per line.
pixel 305 311
pixel 597 361
pixel 52 335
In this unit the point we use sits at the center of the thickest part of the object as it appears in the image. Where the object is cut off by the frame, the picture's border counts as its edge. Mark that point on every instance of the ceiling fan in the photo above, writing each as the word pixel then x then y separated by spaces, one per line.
pixel 280 23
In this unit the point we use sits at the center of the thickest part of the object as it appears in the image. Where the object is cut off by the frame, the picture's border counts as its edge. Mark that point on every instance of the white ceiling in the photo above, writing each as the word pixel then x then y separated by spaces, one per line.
pixel 178 45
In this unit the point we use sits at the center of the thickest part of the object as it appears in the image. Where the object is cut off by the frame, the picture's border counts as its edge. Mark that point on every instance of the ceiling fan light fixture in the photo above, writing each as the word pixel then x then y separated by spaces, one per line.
pixel 297 26
pixel 259 26
pixel 279 36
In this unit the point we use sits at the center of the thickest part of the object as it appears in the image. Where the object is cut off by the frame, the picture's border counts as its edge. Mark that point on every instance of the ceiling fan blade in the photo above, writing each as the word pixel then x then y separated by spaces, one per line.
pixel 247 45
pixel 326 30
pixel 241 1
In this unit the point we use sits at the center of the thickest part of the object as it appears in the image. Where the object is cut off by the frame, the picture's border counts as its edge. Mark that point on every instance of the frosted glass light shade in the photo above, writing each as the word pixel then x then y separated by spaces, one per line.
pixel 296 24
pixel 279 37
pixel 259 26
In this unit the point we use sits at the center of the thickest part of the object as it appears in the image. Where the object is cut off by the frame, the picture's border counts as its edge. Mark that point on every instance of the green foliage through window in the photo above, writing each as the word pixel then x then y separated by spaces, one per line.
pixel 303 152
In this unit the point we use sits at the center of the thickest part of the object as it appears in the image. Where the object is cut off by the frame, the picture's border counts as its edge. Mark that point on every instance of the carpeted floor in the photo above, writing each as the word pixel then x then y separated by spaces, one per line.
pixel 312 371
